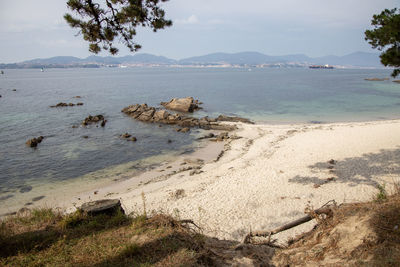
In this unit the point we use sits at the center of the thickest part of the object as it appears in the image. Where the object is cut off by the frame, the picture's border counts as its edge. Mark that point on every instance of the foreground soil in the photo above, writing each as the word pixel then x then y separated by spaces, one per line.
pixel 358 234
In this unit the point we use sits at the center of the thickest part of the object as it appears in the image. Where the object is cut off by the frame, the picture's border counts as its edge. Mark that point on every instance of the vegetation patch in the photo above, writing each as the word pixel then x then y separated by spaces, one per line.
pixel 46 238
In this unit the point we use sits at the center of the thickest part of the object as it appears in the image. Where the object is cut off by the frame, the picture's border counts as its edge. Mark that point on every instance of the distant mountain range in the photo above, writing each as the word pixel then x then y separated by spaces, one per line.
pixel 357 59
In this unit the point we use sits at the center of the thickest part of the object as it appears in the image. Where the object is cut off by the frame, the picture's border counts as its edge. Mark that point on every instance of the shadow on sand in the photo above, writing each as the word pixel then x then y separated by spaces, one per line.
pixel 366 169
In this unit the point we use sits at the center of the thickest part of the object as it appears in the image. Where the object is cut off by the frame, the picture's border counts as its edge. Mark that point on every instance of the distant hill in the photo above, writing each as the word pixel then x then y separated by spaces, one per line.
pixel 135 59
pixel 54 60
pixel 252 58
pixel 357 59
pixel 147 58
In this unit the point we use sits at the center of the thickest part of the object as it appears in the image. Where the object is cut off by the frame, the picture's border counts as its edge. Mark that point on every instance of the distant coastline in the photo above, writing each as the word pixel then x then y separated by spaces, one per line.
pixel 233 60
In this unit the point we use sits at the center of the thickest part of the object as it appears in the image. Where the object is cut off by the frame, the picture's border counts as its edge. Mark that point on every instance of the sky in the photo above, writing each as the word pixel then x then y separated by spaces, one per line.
pixel 36 29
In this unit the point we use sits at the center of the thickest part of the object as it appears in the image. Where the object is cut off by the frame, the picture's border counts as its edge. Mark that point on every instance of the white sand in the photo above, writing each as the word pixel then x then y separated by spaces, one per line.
pixel 267 177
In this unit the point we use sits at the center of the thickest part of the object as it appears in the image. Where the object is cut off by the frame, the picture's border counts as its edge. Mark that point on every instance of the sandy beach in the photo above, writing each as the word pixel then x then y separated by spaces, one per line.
pixel 263 177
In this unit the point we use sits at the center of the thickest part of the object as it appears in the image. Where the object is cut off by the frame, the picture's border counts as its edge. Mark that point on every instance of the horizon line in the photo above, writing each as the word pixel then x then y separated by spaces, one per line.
pixel 229 53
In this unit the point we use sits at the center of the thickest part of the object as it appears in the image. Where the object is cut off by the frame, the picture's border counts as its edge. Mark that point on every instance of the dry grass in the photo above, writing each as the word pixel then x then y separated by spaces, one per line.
pixel 45 238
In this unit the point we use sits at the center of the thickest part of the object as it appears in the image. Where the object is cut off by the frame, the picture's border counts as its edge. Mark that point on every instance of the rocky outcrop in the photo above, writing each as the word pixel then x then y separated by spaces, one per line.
pixel 233 119
pixel 34 141
pixel 104 206
pixel 207 136
pixel 376 79
pixel 150 114
pixel 62 104
pixel 94 120
pixel 187 104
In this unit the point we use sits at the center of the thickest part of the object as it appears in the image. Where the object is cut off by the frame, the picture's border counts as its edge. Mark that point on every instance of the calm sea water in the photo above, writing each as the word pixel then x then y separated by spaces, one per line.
pixel 264 95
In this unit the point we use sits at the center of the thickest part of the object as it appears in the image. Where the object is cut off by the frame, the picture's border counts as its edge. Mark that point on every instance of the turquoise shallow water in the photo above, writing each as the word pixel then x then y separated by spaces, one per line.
pixel 264 95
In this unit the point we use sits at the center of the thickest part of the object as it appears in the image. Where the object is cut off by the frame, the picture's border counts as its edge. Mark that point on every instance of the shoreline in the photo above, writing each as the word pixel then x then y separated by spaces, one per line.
pixel 64 194
pixel 265 178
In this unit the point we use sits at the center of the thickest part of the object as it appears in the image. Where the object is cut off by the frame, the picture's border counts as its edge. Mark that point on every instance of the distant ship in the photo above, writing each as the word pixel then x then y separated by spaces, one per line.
pixel 321 67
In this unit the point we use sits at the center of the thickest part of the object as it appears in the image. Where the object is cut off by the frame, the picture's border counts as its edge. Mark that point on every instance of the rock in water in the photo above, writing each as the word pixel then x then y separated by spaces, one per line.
pixel 233 119
pixel 160 115
pixel 186 104
pixel 103 206
pixel 94 120
pixel 34 141
pixel 126 135
pixel 185 130
pixel 376 79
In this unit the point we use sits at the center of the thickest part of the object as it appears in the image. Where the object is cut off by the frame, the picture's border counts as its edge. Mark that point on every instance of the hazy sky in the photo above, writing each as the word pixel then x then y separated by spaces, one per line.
pixel 36 28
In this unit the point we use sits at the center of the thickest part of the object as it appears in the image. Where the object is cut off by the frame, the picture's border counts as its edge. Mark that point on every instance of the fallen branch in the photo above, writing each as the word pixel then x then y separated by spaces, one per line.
pixel 323 210
pixel 189 222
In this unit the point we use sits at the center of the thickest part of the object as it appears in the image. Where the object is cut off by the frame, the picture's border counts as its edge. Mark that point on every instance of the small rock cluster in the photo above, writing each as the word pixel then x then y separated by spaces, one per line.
pixel 34 141
pixel 221 137
pixel 128 137
pixel 62 104
pixel 94 120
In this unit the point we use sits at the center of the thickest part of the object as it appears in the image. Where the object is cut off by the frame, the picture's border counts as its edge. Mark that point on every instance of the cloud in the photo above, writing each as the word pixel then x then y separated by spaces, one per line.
pixel 190 20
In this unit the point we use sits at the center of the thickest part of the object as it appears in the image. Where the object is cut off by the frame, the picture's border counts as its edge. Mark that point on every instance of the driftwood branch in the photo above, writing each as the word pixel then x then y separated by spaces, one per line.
pixel 323 210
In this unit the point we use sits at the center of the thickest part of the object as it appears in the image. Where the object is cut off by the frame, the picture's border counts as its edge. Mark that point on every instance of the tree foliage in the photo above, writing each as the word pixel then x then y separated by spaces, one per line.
pixel 101 22
pixel 386 37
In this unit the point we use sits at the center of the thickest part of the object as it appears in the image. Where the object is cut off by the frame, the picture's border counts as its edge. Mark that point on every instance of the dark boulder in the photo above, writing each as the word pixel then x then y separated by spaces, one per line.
pixel 62 104
pixel 103 206
pixel 94 120
pixel 34 141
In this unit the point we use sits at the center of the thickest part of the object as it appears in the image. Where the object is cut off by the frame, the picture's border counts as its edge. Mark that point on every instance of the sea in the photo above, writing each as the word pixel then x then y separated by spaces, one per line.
pixel 264 95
